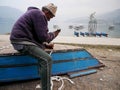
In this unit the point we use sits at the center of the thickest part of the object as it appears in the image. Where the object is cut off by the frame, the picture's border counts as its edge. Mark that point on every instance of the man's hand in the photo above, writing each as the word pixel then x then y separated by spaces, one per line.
pixel 49 45
pixel 57 32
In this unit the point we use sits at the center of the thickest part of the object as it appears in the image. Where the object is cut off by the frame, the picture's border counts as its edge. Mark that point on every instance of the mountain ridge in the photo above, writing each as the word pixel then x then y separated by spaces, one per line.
pixel 107 17
pixel 9 12
pixel 8 16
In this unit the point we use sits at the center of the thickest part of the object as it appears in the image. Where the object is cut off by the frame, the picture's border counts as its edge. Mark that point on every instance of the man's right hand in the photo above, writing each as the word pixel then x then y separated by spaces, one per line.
pixel 57 32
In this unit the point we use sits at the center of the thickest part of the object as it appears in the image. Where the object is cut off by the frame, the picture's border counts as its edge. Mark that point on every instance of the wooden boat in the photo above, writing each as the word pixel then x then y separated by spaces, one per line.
pixel 15 66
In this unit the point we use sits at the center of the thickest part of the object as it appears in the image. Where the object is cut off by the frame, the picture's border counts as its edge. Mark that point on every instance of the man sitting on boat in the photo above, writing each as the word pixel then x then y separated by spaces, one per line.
pixel 29 34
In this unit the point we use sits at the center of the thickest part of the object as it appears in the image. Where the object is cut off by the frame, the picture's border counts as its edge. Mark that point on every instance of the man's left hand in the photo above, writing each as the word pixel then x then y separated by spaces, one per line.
pixel 49 45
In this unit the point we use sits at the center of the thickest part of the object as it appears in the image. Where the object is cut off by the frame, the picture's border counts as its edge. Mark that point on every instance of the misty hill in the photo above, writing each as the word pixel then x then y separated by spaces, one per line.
pixel 113 16
pixel 9 12
pixel 8 16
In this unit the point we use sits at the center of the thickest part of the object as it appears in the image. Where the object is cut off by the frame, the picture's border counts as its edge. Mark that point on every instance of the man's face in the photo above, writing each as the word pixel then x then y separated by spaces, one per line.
pixel 49 15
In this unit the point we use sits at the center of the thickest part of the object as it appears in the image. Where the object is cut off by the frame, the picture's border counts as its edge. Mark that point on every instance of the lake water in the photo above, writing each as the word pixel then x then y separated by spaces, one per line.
pixel 65 31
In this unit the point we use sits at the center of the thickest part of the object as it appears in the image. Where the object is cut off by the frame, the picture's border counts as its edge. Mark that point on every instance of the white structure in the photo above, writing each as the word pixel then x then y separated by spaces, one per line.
pixel 92 25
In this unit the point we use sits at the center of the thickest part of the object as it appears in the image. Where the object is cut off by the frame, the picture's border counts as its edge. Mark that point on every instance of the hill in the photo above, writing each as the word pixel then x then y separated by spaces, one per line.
pixel 8 16
pixel 113 16
pixel 9 12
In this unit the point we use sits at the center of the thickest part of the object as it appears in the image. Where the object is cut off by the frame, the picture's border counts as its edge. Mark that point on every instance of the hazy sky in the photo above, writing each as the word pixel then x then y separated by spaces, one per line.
pixel 68 8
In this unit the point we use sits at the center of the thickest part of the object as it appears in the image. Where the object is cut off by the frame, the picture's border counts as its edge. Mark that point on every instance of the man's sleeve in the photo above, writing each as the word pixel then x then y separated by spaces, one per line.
pixel 41 27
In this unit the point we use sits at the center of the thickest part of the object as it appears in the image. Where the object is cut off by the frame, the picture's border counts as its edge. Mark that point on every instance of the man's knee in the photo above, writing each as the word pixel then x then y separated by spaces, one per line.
pixel 45 60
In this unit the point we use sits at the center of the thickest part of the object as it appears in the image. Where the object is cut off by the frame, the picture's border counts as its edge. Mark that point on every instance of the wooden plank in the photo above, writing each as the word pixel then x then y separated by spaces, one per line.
pixel 82 73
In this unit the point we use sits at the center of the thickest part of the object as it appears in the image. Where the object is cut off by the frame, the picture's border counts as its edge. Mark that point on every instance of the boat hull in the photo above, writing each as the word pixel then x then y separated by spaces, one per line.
pixel 23 67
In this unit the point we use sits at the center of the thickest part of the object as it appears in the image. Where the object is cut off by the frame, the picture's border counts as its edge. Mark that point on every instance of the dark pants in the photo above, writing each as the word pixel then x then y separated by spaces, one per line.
pixel 44 61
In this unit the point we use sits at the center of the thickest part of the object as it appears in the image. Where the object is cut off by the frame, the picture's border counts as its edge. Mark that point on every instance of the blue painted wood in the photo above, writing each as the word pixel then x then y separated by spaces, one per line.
pixel 18 73
pixel 62 68
pixel 70 55
pixel 11 60
pixel 81 73
pixel 23 67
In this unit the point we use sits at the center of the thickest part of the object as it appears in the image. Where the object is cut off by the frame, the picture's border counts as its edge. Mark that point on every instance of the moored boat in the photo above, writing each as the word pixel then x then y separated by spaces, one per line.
pixel 66 59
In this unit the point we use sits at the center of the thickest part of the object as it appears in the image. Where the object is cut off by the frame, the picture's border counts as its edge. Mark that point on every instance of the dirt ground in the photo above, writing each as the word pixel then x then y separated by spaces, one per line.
pixel 106 78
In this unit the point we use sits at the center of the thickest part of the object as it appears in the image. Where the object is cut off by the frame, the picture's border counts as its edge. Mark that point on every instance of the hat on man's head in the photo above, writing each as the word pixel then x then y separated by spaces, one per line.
pixel 51 7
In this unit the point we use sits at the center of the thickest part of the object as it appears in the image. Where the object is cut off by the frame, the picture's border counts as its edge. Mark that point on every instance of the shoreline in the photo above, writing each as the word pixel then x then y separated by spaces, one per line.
pixel 78 40
pixel 88 40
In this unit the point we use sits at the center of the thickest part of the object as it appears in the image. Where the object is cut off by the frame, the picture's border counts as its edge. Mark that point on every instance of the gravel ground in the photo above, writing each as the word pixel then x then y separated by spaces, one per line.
pixel 106 78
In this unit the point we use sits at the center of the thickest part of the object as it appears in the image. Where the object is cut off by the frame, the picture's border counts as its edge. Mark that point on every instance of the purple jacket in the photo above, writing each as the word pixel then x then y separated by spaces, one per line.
pixel 32 27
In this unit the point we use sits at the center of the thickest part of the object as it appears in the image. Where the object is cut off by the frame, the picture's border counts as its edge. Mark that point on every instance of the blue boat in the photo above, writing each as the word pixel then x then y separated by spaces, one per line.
pixel 77 34
pixel 16 66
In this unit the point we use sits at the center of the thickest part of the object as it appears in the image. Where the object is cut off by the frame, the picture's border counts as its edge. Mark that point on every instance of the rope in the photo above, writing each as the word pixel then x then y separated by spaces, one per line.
pixel 59 78
pixel 51 52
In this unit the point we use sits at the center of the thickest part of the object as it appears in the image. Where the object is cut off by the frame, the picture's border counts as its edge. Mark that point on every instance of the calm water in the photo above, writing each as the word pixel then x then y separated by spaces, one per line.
pixel 5 27
pixel 65 31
